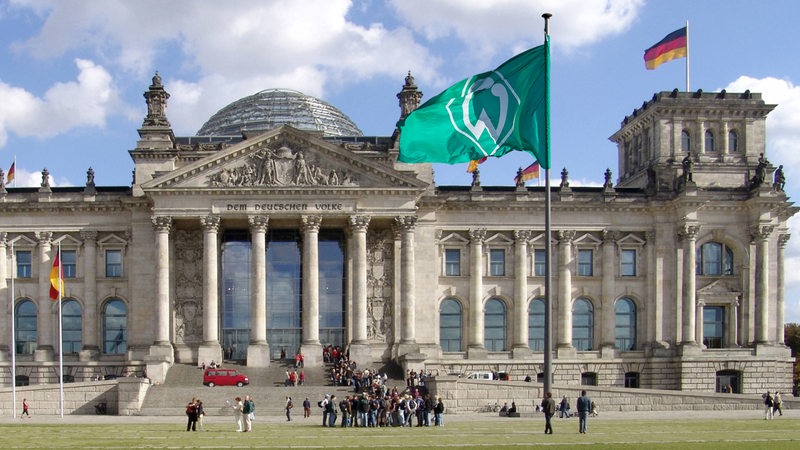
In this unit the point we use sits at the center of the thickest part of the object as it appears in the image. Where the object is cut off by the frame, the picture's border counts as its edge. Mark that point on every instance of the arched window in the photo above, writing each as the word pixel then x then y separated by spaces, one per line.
pixel 536 325
pixel 450 317
pixel 494 326
pixel 733 142
pixel 115 327
pixel 25 327
pixel 582 325
pixel 686 142
pixel 72 326
pixel 714 258
pixel 709 141
pixel 625 324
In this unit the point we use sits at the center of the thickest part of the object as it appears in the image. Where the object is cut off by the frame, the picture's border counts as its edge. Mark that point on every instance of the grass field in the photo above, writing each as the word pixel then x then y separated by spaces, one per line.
pixel 461 433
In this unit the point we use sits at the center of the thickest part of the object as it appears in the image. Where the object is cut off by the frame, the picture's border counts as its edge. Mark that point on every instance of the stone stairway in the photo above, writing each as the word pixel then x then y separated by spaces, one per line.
pixel 184 382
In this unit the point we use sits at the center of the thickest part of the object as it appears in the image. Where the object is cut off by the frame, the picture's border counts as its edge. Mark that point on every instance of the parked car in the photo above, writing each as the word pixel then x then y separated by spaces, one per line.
pixel 479 376
pixel 224 377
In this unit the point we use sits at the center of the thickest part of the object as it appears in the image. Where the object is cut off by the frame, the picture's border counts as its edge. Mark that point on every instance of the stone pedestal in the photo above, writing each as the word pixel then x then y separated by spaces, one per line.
pixel 477 353
pixel 521 352
pixel 89 354
pixel 43 353
pixel 412 361
pixel 361 353
pixel 312 355
pixel 258 355
pixel 209 351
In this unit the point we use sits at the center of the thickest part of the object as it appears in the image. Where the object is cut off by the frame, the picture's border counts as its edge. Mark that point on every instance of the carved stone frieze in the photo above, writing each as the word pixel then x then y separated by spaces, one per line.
pixel 188 287
pixel 281 167
pixel 380 270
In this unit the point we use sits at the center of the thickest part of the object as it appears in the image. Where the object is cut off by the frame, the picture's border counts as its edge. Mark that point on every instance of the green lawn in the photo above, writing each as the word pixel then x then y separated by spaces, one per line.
pixel 458 433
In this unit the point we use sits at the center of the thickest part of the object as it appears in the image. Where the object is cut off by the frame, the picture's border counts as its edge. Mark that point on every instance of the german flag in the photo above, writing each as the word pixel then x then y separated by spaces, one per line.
pixel 673 46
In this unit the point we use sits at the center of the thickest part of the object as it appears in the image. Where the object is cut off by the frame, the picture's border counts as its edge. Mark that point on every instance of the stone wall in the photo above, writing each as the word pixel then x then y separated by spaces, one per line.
pixel 123 396
pixel 462 396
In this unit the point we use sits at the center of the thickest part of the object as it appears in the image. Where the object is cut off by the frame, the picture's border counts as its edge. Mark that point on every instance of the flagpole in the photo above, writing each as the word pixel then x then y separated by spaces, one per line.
pixel 13 340
pixel 687 56
pixel 60 337
pixel 548 272
pixel 15 169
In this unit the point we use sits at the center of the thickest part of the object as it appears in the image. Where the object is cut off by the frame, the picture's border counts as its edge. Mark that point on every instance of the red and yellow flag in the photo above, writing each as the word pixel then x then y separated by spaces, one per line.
pixel 56 279
pixel 530 172
pixel 473 165
pixel 674 45
pixel 11 172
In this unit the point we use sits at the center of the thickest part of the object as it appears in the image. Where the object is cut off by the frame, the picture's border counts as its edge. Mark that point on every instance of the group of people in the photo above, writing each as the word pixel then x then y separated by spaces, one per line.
pixel 772 404
pixel 294 378
pixel 195 414
pixel 584 404
pixel 368 410
pixel 243 413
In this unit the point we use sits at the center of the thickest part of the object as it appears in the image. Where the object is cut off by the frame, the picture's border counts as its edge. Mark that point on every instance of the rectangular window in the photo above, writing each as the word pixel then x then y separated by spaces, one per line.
pixel 23 264
pixel 68 263
pixel 627 263
pixel 497 262
pixel 113 263
pixel 452 262
pixel 713 326
pixel 585 263
pixel 539 257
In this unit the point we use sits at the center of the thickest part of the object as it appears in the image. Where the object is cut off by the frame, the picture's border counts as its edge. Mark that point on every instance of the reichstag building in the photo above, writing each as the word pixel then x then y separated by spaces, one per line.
pixel 280 228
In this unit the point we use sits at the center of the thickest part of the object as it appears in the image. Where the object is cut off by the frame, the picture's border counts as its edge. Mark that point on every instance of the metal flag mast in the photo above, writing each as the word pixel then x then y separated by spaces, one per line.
pixel 13 336
pixel 548 271
pixel 687 56
pixel 60 335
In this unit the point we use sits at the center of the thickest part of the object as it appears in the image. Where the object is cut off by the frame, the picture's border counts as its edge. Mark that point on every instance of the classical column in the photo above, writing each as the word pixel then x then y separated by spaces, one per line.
pixel 654 271
pixel 90 350
pixel 607 311
pixel 162 225
pixel 733 320
pixel 258 349
pixel 358 228
pixel 476 237
pixel 408 305
pixel 564 340
pixel 210 349
pixel 311 346
pixel 689 234
pixel 45 326
pixel 698 325
pixel 5 296
pixel 762 279
pixel 520 347
pixel 783 239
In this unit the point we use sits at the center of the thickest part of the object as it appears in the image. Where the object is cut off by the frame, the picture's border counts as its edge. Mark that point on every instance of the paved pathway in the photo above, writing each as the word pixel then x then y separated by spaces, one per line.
pixel 316 417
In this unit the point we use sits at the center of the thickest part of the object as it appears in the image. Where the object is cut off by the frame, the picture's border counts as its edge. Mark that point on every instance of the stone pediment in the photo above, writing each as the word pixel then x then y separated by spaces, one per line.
pixel 718 291
pixel 284 158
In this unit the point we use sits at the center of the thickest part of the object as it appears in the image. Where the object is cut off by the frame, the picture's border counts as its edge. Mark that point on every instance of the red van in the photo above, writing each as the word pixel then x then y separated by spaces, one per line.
pixel 224 377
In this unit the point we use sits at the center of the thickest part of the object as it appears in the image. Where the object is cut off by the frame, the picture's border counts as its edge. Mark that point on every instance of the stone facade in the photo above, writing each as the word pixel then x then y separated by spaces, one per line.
pixel 670 278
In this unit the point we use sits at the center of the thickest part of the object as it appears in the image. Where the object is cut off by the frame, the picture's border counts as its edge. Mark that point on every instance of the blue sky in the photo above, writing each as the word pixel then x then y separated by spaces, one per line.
pixel 72 73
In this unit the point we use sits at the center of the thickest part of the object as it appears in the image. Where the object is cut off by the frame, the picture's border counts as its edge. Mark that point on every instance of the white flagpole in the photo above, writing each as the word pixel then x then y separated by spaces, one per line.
pixel 548 270
pixel 60 339
pixel 15 170
pixel 687 56
pixel 13 336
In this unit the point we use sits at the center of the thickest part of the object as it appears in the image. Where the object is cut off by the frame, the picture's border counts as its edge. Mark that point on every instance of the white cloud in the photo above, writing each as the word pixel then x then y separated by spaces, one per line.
pixel 488 25
pixel 87 101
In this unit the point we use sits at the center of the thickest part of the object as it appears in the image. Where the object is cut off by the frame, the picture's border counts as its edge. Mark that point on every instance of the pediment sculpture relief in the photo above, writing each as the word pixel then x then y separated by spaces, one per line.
pixel 281 167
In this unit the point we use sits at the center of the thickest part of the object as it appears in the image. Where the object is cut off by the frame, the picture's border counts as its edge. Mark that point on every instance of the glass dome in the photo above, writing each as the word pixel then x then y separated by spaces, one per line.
pixel 275 107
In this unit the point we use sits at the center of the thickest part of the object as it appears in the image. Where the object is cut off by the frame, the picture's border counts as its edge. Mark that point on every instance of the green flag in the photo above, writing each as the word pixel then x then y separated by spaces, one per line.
pixel 489 114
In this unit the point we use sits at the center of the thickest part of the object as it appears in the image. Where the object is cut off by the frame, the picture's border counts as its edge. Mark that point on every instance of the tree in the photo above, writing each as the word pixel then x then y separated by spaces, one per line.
pixel 791 337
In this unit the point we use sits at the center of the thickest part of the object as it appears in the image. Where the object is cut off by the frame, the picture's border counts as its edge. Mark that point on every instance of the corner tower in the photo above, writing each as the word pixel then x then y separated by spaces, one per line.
pixel 713 140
